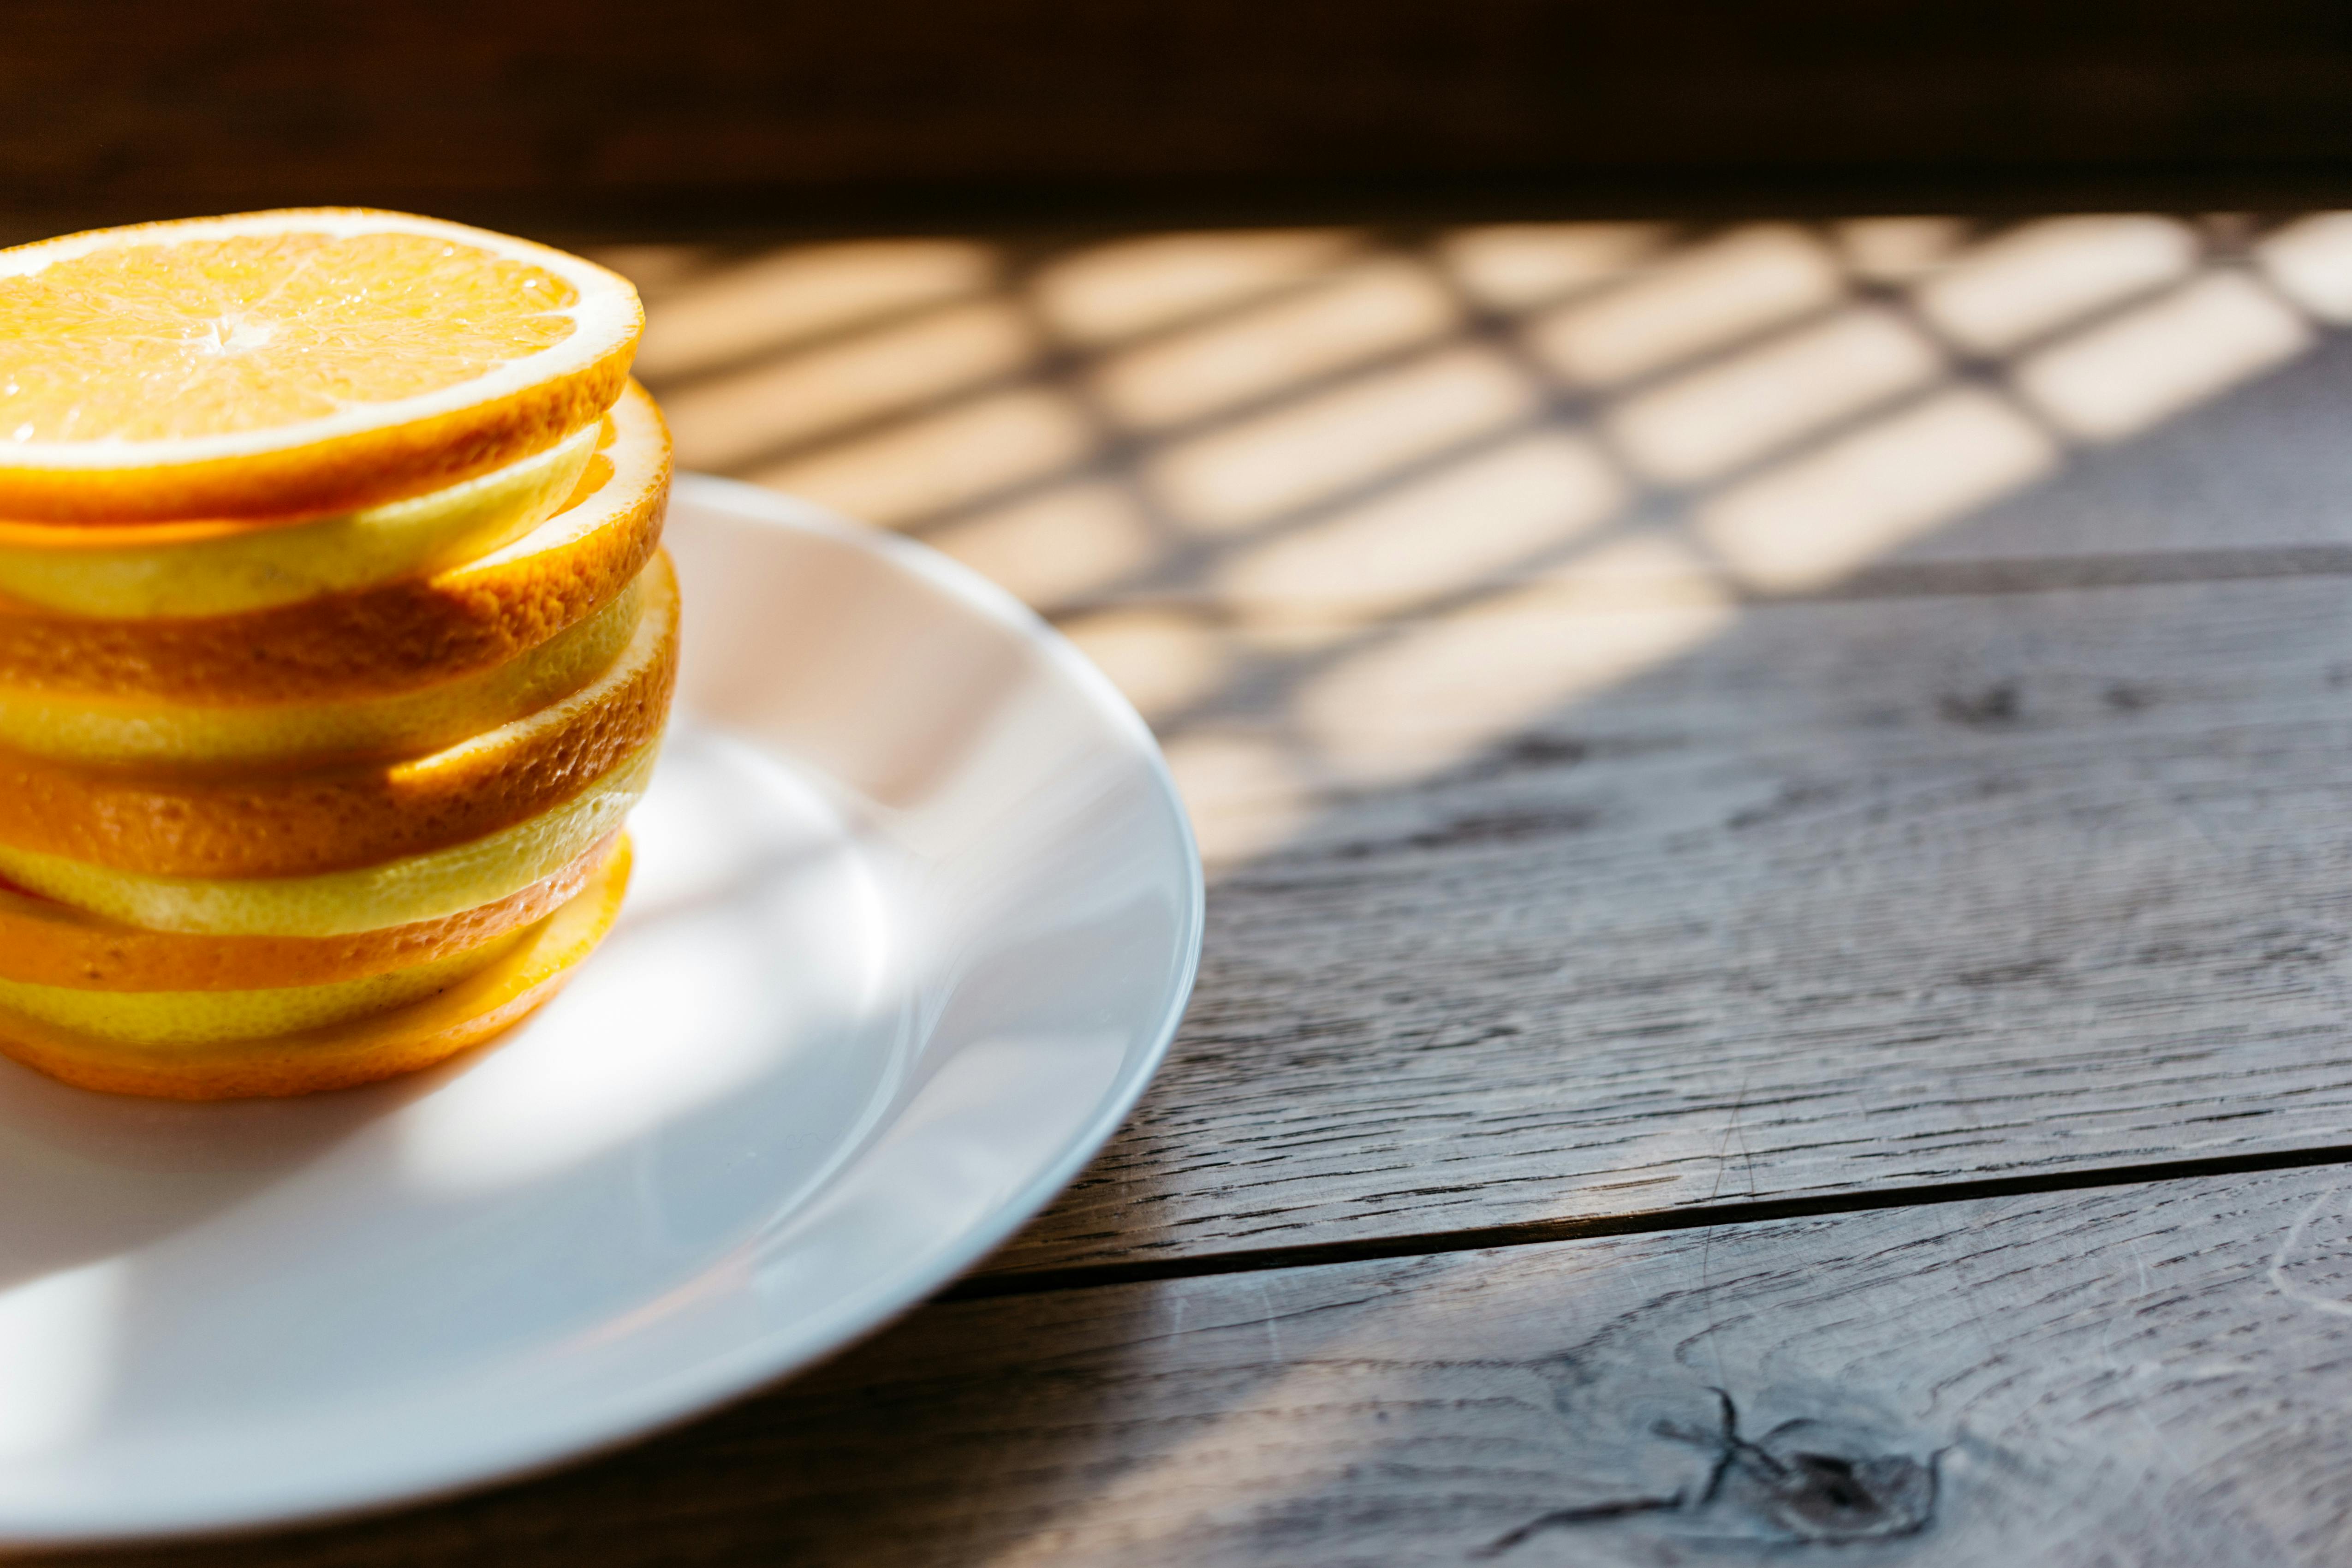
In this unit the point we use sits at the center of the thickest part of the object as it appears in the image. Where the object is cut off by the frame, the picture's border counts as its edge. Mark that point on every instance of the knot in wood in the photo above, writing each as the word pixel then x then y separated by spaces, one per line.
pixel 1823 1481
pixel 1830 1499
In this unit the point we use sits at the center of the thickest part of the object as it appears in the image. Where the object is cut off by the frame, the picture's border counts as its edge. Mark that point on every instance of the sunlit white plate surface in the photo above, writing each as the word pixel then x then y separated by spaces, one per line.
pixel 915 914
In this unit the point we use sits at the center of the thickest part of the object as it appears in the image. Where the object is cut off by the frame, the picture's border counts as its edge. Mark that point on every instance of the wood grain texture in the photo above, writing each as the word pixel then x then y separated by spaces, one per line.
pixel 1703 744
pixel 2158 1376
pixel 1843 894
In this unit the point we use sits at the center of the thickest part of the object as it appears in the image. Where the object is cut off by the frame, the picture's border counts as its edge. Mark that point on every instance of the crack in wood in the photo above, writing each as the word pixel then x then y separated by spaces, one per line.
pixel 1566 1517
pixel 1244 1260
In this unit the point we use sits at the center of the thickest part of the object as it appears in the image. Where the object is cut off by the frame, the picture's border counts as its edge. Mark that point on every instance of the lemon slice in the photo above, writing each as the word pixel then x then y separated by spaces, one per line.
pixel 271 823
pixel 44 943
pixel 394 638
pixel 214 1017
pixel 419 888
pixel 191 568
pixel 134 731
pixel 290 364
pixel 338 1056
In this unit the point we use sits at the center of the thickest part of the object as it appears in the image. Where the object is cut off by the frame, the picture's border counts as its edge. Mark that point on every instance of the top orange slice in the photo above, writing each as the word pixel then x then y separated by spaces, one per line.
pixel 294 364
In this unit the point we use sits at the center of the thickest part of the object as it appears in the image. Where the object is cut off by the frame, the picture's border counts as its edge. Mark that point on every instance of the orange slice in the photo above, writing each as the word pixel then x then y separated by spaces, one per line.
pixel 138 570
pixel 339 1056
pixel 184 1018
pixel 133 732
pixel 306 823
pixel 288 363
pixel 391 638
pixel 44 943
pixel 426 887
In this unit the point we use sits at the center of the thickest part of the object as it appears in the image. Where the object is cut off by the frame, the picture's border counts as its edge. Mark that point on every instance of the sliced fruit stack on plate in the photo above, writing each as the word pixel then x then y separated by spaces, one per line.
pixel 335 643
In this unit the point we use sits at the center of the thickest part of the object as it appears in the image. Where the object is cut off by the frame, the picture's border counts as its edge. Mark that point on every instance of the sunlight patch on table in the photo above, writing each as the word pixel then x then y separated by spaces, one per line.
pixel 1512 267
pixel 1247 794
pixel 729 420
pixel 1438 535
pixel 2039 278
pixel 1899 249
pixel 1375 310
pixel 1443 690
pixel 2311 263
pixel 804 292
pixel 1265 1417
pixel 1732 412
pixel 1163 659
pixel 1708 298
pixel 2119 378
pixel 1070 541
pixel 943 460
pixel 1296 632
pixel 57 1346
pixel 1235 478
pixel 1644 569
pixel 1127 287
pixel 1810 521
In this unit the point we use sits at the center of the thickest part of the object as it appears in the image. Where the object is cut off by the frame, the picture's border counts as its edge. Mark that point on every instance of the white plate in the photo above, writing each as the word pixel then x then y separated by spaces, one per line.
pixel 917 913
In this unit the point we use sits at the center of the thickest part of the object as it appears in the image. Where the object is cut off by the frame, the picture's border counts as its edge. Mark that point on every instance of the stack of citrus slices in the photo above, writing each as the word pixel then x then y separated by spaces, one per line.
pixel 335 643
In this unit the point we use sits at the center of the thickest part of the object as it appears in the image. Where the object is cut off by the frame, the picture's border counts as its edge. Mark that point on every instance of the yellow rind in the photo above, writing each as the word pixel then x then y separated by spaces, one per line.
pixel 311 822
pixel 342 1055
pixel 133 732
pixel 187 570
pixel 214 1017
pixel 399 892
pixel 393 637
pixel 44 943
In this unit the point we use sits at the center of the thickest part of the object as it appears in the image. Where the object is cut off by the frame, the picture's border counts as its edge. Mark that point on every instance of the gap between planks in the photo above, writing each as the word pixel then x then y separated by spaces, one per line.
pixel 1533 1232
pixel 2152 1374
pixel 1916 893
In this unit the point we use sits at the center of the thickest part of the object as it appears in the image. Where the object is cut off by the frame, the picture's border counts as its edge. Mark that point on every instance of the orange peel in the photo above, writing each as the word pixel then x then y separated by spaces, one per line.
pixel 420 1035
pixel 369 898
pixel 308 823
pixel 44 943
pixel 187 570
pixel 190 1018
pixel 389 638
pixel 132 732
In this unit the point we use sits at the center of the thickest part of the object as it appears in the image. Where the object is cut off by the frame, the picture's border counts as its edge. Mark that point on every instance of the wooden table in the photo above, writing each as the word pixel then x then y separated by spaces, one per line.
pixel 1781 869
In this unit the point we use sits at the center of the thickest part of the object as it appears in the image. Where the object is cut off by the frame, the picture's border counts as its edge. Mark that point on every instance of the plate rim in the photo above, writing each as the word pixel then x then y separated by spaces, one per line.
pixel 1002 606
pixel 760 1362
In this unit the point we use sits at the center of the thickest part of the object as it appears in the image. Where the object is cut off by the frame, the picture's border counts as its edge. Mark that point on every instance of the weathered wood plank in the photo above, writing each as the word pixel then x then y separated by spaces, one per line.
pixel 1567 836
pixel 2159 1376
pixel 1803 899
